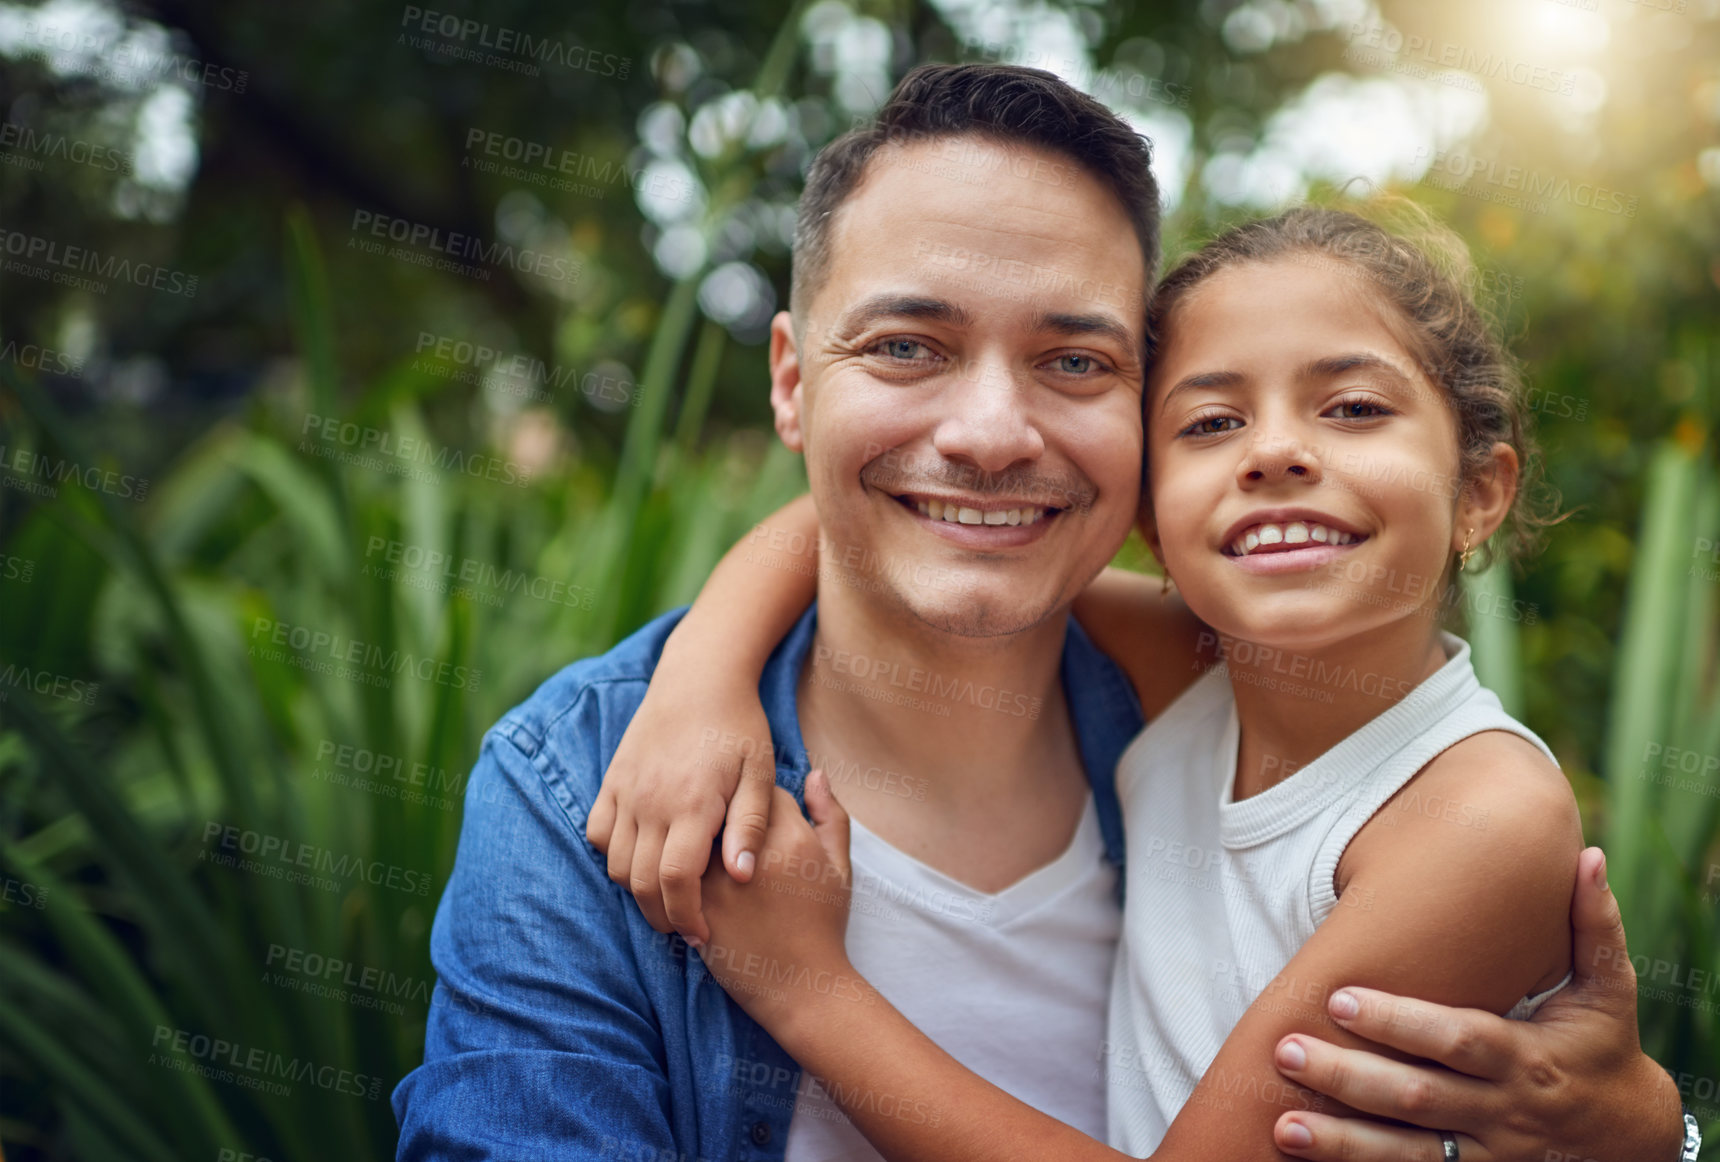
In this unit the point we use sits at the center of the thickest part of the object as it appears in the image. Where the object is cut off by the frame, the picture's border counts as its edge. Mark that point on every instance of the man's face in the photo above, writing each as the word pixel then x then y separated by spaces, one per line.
pixel 967 384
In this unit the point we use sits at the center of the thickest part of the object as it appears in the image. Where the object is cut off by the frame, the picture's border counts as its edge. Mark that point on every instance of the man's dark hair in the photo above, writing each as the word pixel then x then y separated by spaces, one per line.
pixel 1006 104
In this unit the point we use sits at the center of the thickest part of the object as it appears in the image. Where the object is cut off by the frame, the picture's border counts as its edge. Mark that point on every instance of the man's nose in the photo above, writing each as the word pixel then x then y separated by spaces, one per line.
pixel 989 419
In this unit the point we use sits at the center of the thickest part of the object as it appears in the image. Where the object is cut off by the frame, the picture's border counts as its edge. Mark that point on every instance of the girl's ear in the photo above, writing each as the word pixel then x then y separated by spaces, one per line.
pixel 786 395
pixel 1487 498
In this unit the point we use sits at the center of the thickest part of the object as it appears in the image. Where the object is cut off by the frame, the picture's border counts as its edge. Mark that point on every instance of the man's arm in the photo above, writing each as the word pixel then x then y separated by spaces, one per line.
pixel 541 1041
pixel 1573 1082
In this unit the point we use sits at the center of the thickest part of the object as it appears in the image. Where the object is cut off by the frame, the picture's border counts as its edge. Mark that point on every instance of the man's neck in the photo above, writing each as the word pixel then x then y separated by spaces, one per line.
pixel 955 749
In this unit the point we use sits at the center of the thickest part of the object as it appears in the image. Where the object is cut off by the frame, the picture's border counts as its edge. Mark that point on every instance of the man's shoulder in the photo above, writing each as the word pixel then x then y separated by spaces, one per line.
pixel 579 713
pixel 1095 683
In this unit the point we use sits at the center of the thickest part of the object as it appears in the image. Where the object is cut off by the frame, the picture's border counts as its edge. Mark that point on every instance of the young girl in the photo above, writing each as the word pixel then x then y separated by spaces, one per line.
pixel 1332 433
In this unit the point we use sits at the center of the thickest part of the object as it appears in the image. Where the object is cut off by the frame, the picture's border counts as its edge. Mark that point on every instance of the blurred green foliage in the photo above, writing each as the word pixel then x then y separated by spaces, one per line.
pixel 169 596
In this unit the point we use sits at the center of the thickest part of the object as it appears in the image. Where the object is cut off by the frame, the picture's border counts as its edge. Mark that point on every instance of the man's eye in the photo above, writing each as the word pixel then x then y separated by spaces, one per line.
pixel 1076 364
pixel 1212 426
pixel 910 350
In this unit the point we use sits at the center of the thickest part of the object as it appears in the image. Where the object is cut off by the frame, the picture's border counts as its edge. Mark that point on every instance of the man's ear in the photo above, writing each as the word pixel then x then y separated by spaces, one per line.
pixel 786 395
pixel 1487 499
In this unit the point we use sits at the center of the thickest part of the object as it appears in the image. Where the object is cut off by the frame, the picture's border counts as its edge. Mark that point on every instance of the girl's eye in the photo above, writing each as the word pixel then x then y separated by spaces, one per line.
pixel 907 350
pixel 1211 426
pixel 1358 409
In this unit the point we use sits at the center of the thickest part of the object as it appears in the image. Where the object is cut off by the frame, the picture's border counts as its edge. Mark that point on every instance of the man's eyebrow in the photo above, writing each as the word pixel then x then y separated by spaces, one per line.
pixel 890 306
pixel 1066 324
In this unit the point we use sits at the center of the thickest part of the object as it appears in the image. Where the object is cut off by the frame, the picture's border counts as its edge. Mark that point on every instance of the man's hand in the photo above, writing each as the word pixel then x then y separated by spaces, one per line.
pixel 1570 1084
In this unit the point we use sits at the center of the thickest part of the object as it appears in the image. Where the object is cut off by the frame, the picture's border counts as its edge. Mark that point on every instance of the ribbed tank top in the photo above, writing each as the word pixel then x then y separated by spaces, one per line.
pixel 1221 894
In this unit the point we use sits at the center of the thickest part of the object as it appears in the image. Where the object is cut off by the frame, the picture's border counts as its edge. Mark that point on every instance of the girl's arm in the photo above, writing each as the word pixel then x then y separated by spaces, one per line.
pixel 696 758
pixel 698 751
pixel 1148 632
pixel 1432 906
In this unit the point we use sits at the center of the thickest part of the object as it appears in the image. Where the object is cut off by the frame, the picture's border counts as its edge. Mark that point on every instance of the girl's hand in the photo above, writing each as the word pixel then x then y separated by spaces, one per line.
pixel 778 944
pixel 698 750
pixel 694 760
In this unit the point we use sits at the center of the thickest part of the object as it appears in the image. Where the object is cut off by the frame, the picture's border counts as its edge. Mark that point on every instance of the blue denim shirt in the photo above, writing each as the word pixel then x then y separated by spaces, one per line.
pixel 562 1026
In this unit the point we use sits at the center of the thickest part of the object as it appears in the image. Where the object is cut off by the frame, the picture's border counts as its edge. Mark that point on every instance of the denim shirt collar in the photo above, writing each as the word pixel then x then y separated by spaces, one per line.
pixel 1102 705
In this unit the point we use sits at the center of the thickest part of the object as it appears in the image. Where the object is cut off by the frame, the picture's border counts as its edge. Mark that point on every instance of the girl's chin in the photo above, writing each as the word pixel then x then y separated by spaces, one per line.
pixel 1291 622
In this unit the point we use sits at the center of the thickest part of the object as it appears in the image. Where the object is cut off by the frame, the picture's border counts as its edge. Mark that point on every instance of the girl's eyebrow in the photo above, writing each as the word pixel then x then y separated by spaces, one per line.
pixel 1203 379
pixel 1334 365
pixel 1327 367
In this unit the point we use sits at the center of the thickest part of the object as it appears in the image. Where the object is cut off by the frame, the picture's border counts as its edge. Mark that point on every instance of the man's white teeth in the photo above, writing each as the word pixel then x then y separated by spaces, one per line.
pixel 960 514
pixel 1295 532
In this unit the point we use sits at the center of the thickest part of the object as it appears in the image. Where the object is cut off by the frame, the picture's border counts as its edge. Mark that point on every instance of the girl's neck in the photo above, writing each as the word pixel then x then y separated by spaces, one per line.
pixel 1295 705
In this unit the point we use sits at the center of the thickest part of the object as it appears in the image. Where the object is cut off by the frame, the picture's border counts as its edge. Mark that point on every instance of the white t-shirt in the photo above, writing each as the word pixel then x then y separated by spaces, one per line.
pixel 1012 984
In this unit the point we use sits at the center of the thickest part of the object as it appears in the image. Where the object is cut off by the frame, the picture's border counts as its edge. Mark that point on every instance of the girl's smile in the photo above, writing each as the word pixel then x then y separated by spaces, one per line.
pixel 1287 540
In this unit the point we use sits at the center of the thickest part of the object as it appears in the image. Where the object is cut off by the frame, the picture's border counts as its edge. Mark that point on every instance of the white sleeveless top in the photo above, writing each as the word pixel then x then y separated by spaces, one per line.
pixel 1221 894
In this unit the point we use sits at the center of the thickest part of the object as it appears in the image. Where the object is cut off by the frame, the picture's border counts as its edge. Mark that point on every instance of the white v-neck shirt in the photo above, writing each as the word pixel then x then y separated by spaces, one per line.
pixel 1012 984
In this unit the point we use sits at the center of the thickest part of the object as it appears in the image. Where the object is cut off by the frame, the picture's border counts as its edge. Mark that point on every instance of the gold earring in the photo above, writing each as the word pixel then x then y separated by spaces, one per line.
pixel 1165 585
pixel 1466 552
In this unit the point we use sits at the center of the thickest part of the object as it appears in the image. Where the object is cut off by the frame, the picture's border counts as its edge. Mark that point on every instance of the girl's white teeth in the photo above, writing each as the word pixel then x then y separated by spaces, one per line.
pixel 938 510
pixel 1296 532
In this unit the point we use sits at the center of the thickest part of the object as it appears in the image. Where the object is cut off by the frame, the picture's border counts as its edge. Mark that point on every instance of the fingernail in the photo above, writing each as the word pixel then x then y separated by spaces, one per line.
pixel 745 863
pixel 1601 874
pixel 1296 1136
pixel 1344 1006
pixel 1291 1055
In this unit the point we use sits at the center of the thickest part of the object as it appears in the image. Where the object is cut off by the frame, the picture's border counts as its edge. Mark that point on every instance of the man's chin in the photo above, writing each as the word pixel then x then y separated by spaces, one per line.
pixel 984 615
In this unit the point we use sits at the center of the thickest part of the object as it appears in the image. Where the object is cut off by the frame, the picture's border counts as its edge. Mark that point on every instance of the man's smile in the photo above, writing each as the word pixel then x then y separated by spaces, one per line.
pixel 980 523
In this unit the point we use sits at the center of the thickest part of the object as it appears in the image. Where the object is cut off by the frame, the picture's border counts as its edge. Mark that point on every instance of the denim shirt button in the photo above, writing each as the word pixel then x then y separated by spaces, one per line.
pixel 761 1133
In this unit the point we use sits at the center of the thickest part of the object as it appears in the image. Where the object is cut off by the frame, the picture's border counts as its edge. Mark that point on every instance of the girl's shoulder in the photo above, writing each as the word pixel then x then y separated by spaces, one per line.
pixel 1499 769
pixel 1493 774
pixel 1483 841
pixel 1494 795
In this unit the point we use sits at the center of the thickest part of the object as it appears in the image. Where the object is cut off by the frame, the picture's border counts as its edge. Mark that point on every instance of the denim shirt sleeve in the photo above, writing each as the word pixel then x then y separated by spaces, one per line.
pixel 541 1041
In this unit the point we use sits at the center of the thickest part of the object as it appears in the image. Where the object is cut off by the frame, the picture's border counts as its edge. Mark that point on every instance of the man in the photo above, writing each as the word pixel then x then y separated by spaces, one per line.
pixel 974 345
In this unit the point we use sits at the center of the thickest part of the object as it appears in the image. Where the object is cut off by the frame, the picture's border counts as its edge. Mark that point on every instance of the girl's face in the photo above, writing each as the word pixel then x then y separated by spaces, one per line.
pixel 1304 470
